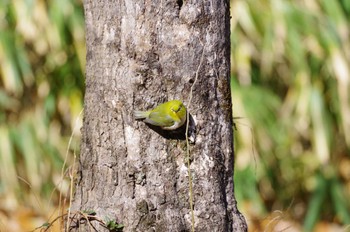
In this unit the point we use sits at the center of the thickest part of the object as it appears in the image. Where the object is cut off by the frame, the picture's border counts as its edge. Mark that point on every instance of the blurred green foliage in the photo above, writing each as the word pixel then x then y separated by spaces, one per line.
pixel 42 57
pixel 291 85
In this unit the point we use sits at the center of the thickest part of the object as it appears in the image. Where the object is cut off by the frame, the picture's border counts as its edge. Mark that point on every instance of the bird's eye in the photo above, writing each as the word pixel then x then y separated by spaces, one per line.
pixel 178 109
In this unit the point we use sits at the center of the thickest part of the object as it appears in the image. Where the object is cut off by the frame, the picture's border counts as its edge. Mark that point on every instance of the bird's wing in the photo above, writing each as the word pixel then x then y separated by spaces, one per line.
pixel 159 119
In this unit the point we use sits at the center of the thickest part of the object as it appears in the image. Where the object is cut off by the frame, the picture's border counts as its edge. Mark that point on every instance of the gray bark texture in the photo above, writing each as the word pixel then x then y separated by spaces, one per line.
pixel 140 54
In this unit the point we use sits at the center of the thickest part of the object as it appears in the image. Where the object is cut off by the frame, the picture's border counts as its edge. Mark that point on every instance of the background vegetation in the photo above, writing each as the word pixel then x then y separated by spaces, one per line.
pixel 42 57
pixel 290 86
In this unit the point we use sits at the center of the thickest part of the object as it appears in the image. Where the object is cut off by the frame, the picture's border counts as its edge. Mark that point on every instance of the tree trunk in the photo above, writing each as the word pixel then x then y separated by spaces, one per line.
pixel 140 54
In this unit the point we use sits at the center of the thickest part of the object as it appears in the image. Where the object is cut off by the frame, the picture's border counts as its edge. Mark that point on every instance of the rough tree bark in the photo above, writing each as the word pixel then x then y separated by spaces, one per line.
pixel 139 54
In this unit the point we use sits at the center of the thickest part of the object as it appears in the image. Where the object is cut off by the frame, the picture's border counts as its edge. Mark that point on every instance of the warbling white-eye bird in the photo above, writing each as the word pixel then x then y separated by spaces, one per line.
pixel 169 115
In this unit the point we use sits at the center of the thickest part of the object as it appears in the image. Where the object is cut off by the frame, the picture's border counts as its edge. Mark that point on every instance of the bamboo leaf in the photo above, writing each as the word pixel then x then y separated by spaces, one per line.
pixel 340 201
pixel 316 202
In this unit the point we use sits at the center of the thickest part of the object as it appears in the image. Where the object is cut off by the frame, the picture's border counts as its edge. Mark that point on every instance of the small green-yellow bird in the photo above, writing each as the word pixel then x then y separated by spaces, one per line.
pixel 169 115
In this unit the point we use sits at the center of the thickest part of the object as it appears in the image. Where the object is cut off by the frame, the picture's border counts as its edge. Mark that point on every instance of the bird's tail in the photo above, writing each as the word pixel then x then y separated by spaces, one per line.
pixel 141 114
